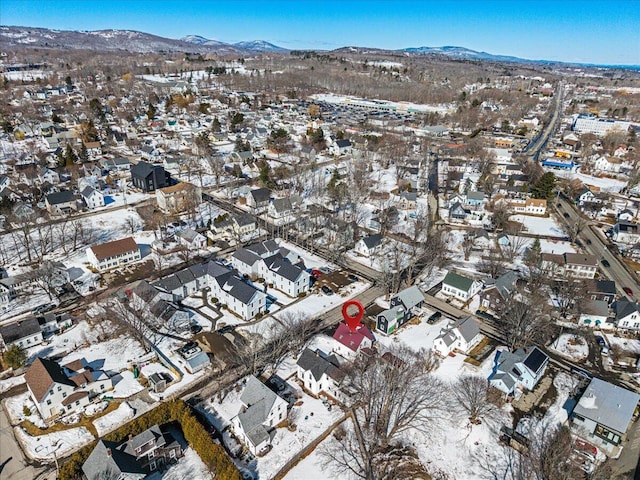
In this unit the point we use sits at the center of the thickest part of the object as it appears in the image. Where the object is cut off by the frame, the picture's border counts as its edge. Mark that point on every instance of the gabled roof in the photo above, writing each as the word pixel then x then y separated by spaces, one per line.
pixel 57 198
pixel 42 374
pixel 343 143
pixel 281 204
pixel 17 330
pixel 106 462
pixel 260 195
pixel 235 287
pixel 144 169
pixel 151 434
pixel 281 267
pixel 246 256
pixel 458 281
pixel 319 364
pixel 352 340
pixel 258 400
pixel 608 405
pixel 624 308
pixel 372 241
pixel 267 247
pixel 117 247
pixel 468 328
pixel 410 297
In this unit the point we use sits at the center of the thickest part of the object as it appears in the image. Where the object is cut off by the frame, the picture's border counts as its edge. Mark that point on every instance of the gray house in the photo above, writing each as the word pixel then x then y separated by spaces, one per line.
pixel 25 333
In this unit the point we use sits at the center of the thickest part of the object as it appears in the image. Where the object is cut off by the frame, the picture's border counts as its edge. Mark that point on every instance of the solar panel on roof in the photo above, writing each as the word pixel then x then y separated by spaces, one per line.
pixel 535 359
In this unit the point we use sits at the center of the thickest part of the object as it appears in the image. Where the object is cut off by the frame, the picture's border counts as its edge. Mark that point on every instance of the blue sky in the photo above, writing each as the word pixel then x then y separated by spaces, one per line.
pixel 604 31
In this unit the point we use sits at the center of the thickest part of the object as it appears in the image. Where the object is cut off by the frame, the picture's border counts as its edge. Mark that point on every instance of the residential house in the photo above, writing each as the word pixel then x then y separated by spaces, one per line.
pixel 280 209
pixel 340 147
pixel 626 232
pixel 148 177
pixel 368 246
pixel 499 292
pixel 408 200
pixel 627 315
pixel 46 175
pixel 575 265
pixel 349 343
pixel 113 254
pixel 170 316
pixel 134 458
pixel 286 277
pixel 63 389
pixel 258 199
pixel 261 411
pixel 92 198
pixel 602 290
pixel 246 259
pixel 23 333
pixel 607 164
pixel 191 239
pixel 7 292
pixel 94 149
pixel 320 373
pixel 475 199
pixel 118 164
pixel 244 224
pixel 460 287
pixel 402 307
pixel 586 196
pixel 240 298
pixel 458 213
pixel 462 335
pixel 178 198
pixel 61 203
pixel 530 206
pixel 521 369
pixel 626 215
pixel 604 414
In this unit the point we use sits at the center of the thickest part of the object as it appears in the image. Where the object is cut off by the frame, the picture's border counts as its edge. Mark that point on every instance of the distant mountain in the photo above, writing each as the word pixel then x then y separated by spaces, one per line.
pixel 107 40
pixel 260 46
pixel 198 40
pixel 462 52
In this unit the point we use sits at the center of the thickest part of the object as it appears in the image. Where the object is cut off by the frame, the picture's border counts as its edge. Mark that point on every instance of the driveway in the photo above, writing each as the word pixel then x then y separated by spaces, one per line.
pixel 12 463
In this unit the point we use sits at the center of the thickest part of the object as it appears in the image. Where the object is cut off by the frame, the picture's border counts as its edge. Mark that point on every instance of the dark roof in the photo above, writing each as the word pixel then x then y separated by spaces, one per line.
pixel 343 143
pixel 153 433
pixel 144 169
pixel 15 331
pixel 281 267
pixel 372 241
pixel 63 196
pixel 535 359
pixel 260 195
pixel 42 374
pixel 106 462
pixel 235 287
pixel 319 364
pixel 603 286
pixel 246 256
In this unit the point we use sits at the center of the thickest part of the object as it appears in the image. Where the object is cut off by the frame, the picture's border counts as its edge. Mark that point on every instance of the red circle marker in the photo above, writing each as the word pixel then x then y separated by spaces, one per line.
pixel 352 322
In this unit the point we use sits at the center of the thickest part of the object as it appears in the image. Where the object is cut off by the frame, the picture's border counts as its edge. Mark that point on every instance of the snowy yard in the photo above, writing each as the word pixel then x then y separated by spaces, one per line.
pixel 571 346
pixel 188 467
pixel 626 344
pixel 8 383
pixel 539 225
pixel 113 420
pixel 63 443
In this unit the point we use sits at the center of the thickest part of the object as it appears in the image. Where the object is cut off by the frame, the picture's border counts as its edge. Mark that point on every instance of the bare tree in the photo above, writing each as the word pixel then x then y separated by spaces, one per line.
pixel 132 224
pixel 471 394
pixel 134 321
pixel 549 453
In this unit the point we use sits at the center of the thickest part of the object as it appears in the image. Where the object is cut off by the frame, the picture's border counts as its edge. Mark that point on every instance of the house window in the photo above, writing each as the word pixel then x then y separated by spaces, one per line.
pixel 48 402
pixel 64 394
pixel 59 388
pixel 151 454
pixel 152 465
pixel 77 402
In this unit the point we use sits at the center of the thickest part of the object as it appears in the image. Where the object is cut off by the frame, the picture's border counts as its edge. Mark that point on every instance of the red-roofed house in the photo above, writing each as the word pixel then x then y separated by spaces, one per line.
pixel 350 344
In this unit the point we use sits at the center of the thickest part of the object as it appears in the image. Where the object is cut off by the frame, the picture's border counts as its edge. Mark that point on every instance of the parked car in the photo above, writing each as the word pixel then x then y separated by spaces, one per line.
pixel 600 341
pixel 326 290
pixel 352 277
pixel 434 318
pixel 605 263
pixel 628 291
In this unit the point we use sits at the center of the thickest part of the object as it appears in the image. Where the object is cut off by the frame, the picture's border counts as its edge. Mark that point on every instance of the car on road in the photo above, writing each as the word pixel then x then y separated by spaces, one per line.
pixel 588 241
pixel 326 290
pixel 565 215
pixel 605 263
pixel 628 291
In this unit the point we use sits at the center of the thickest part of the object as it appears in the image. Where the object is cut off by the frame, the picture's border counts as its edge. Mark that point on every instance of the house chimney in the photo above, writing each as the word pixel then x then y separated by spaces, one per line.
pixel 108 452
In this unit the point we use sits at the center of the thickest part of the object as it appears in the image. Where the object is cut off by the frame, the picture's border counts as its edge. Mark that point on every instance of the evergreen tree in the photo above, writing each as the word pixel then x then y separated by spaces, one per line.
pixel 544 187
pixel 15 357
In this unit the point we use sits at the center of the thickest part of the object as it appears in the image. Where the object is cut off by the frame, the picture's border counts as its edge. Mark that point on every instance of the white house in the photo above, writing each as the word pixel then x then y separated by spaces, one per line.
pixel 626 232
pixel 627 315
pixel 239 297
pixel 113 254
pixel 61 390
pixel 462 335
pixel 595 315
pixel 460 287
pixel 368 246
pixel 320 373
pixel 191 239
pixel 259 414
pixel 521 369
pixel 23 333
pixel 92 197
pixel 607 164
pixel 349 343
pixel 290 279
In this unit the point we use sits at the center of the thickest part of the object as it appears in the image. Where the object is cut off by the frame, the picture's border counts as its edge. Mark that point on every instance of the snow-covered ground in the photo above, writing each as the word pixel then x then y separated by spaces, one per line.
pixel 15 408
pixel 188 467
pixel 572 346
pixel 62 443
pixel 312 418
pixel 113 420
pixel 8 383
pixel 626 344
pixel 539 225
pixel 605 184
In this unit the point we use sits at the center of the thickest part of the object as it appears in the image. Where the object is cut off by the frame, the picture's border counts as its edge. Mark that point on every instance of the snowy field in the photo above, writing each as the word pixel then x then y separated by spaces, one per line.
pixel 572 346
pixel 188 467
pixel 605 184
pixel 627 344
pixel 539 225
pixel 8 383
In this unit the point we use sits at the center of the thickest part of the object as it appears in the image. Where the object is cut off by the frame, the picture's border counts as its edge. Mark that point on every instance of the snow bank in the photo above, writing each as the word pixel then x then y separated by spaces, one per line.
pixel 113 420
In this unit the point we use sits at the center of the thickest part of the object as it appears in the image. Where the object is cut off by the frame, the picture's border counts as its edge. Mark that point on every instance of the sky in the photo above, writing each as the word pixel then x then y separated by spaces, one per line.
pixel 585 31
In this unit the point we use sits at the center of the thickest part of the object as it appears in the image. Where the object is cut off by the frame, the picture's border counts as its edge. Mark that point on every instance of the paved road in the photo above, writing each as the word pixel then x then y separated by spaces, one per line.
pixel 12 463
pixel 617 272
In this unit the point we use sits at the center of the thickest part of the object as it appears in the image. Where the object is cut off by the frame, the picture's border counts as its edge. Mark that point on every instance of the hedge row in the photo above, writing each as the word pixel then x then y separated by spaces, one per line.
pixel 211 453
